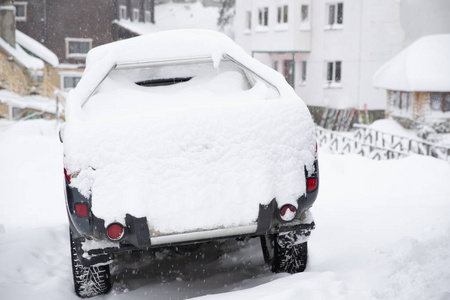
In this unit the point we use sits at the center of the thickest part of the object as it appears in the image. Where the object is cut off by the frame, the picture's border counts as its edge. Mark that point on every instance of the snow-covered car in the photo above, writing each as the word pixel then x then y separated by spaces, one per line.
pixel 180 138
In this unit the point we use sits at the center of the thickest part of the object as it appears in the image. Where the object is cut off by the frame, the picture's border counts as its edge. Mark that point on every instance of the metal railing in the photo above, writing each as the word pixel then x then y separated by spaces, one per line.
pixel 376 144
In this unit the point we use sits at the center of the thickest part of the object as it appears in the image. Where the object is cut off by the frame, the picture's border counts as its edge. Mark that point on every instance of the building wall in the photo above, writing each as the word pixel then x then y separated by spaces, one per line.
pixel 57 20
pixel 373 31
pixel 13 77
pixel 52 21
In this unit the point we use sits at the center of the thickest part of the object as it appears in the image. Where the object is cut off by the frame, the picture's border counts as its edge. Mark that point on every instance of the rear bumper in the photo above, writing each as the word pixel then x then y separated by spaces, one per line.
pixel 94 247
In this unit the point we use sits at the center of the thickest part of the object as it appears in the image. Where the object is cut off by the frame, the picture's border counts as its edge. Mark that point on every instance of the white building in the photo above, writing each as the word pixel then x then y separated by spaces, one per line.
pixel 330 49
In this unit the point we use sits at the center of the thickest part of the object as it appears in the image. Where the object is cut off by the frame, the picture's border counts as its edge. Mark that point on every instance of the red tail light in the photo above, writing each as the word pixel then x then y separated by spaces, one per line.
pixel 316 154
pixel 287 212
pixel 115 231
pixel 70 176
pixel 311 184
pixel 81 209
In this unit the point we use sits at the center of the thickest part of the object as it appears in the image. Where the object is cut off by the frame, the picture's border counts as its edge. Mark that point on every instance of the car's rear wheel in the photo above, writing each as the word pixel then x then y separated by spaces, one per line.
pixel 285 252
pixel 89 281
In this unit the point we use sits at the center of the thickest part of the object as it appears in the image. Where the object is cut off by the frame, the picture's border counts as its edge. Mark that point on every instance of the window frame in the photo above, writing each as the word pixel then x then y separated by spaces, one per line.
pixel 283 14
pixel 135 14
pixel 304 71
pixel 276 65
pixel 122 12
pixel 148 16
pixel 23 4
pixel 263 16
pixel 305 22
pixel 333 73
pixel 77 40
pixel 335 15
pixel 64 75
pixel 445 102
pixel 288 71
pixel 248 20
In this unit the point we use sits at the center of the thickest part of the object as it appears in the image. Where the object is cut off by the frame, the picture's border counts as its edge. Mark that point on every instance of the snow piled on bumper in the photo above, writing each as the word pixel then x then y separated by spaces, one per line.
pixel 198 166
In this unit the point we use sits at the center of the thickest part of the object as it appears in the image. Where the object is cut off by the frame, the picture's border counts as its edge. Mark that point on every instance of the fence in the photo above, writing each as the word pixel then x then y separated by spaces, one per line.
pixel 376 144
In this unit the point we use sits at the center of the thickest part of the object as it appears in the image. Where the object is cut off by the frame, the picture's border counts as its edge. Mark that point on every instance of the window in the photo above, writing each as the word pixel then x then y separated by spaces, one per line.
pixel 335 14
pixel 36 76
pixel 289 71
pixel 305 14
pixel 248 20
pixel 70 82
pixel 303 63
pixel 403 101
pixel 282 17
pixel 122 12
pixel 275 65
pixel 304 17
pixel 334 70
pixel 440 102
pixel 21 10
pixel 263 16
pixel 148 16
pixel 77 47
pixel 135 14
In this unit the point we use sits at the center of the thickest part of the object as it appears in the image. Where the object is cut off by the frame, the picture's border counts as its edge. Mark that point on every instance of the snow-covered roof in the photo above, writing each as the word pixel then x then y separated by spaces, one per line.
pixel 35 102
pixel 174 16
pixel 172 44
pixel 21 56
pixel 423 66
pixel 36 48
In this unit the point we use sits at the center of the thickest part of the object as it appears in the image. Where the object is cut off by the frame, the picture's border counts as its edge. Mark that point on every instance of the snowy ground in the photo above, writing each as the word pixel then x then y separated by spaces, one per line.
pixel 383 232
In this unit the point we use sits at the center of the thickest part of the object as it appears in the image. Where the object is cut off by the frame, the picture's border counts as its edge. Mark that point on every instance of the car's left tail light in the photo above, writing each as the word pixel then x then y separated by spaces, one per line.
pixel 81 209
pixel 115 231
pixel 311 184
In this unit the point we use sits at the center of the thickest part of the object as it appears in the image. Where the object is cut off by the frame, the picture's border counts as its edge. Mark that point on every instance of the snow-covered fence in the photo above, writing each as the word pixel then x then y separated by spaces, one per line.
pixel 345 143
pixel 366 135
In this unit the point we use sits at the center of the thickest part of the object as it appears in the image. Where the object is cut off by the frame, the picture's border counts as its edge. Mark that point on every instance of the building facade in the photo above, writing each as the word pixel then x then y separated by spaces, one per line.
pixel 71 28
pixel 329 50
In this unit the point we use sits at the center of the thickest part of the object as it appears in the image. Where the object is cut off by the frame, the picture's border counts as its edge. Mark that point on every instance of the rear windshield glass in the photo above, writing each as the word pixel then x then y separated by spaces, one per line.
pixel 165 83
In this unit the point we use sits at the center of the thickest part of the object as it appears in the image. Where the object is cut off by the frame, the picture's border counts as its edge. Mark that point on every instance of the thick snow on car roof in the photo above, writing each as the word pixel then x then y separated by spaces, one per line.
pixel 173 44
pixel 192 155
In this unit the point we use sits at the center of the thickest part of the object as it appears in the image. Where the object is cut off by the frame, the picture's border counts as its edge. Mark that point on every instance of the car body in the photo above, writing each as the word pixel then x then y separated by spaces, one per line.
pixel 180 138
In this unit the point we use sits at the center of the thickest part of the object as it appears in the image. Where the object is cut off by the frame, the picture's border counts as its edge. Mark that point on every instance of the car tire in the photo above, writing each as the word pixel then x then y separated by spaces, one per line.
pixel 285 252
pixel 89 281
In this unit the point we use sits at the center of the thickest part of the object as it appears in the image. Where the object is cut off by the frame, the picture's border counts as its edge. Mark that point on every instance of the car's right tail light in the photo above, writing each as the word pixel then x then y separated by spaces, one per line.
pixel 287 212
pixel 70 176
pixel 316 154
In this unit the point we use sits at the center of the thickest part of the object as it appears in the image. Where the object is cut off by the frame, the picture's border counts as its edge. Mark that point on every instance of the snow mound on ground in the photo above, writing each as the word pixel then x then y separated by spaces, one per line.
pixel 380 235
pixel 393 127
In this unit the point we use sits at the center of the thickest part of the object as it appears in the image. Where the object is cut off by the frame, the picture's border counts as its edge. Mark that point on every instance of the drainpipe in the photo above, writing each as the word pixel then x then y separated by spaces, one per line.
pixel 44 21
pixel 152 11
pixel 8 22
pixel 293 70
